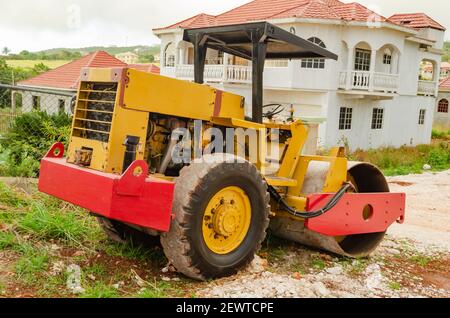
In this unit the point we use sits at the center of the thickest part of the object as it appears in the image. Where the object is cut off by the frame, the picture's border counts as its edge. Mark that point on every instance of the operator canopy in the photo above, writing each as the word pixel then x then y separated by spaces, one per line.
pixel 239 39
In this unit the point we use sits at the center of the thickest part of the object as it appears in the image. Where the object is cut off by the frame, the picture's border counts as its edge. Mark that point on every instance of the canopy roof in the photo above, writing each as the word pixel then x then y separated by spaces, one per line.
pixel 237 40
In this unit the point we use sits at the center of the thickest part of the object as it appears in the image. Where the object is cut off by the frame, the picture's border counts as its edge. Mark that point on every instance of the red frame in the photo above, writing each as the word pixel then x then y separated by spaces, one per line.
pixel 131 198
pixel 346 218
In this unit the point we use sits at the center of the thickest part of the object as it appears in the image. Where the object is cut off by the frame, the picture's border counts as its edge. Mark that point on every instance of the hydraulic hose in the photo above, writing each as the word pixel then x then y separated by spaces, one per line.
pixel 313 214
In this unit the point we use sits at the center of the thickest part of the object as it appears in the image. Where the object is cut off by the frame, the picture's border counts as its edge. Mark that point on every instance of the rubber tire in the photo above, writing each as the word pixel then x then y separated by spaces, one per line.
pixel 184 245
pixel 124 234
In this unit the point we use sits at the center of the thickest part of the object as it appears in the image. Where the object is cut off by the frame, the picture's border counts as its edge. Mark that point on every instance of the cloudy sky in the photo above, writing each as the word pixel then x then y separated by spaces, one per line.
pixel 42 24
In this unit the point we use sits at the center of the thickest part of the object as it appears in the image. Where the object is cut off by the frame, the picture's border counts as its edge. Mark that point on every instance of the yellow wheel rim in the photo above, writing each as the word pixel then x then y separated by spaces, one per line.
pixel 226 220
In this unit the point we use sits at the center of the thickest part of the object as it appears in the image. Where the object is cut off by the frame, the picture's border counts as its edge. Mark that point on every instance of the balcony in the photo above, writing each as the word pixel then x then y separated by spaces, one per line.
pixel 369 81
pixel 218 73
pixel 427 88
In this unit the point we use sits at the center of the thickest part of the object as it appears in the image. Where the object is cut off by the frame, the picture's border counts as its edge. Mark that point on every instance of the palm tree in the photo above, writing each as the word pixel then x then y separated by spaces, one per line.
pixel 6 51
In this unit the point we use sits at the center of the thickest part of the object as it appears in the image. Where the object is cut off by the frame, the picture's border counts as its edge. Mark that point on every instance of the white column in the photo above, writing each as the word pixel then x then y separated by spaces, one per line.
pixel 226 56
pixel 350 67
pixel 373 60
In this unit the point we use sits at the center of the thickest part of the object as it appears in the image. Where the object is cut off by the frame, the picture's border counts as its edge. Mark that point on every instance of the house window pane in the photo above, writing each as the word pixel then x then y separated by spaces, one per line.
pixel 61 106
pixel 314 63
pixel 387 59
pixel 422 114
pixel 36 102
pixel 377 118
pixel 345 118
pixel 443 106
pixel 362 60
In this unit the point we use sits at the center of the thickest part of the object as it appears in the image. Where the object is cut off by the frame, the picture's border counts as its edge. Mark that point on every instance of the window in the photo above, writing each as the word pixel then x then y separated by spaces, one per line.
pixel 377 118
pixel 422 114
pixel 362 60
pixel 443 106
pixel 36 102
pixel 314 63
pixel 61 106
pixel 169 55
pixel 387 59
pixel 345 118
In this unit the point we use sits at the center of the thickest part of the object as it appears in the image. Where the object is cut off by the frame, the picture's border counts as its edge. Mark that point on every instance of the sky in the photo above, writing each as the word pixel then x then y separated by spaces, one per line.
pixel 35 25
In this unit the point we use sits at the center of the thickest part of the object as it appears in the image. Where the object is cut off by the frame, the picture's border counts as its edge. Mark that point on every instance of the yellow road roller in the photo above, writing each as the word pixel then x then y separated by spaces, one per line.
pixel 152 156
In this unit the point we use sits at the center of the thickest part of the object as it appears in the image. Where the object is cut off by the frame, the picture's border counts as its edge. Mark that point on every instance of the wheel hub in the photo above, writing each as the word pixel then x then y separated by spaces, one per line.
pixel 226 220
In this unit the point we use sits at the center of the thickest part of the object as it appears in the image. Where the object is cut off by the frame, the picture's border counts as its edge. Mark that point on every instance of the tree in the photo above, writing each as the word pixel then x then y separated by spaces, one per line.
pixel 6 51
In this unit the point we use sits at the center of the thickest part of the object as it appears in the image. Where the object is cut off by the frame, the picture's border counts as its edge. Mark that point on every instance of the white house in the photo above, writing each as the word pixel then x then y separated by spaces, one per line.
pixel 442 114
pixel 128 57
pixel 370 97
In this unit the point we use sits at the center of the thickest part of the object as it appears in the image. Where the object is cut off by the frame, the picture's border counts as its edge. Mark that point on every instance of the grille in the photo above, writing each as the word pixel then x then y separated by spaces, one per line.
pixel 95 111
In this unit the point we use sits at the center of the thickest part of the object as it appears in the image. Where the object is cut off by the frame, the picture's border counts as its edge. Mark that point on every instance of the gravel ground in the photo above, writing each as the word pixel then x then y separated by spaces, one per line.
pixel 413 261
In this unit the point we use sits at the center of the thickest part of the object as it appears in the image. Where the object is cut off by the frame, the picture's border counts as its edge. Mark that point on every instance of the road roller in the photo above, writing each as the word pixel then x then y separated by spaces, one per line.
pixel 129 162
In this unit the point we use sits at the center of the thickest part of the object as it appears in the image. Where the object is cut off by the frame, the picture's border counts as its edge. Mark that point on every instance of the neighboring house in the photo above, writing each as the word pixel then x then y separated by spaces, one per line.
pixel 442 114
pixel 370 97
pixel 62 83
pixel 157 58
pixel 427 71
pixel 128 57
pixel 149 68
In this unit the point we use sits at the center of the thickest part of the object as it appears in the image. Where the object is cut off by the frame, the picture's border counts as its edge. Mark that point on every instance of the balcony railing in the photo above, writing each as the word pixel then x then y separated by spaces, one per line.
pixel 218 73
pixel 427 88
pixel 369 81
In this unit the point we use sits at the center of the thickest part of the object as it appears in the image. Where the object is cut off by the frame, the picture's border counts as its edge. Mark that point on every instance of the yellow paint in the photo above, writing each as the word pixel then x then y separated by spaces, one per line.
pixel 226 220
pixel 163 95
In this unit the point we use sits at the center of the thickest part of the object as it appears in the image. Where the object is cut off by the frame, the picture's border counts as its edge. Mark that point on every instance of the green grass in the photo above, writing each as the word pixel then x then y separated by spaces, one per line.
pixel 158 290
pixel 7 240
pixel 47 222
pixel 318 263
pixel 443 135
pixel 100 290
pixel 395 286
pixel 421 260
pixel 31 63
pixel 407 160
pixel 31 265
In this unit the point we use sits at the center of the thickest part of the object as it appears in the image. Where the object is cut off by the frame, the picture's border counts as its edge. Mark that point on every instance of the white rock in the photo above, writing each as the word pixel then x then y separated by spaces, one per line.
pixel 374 278
pixel 320 289
pixel 426 167
pixel 337 270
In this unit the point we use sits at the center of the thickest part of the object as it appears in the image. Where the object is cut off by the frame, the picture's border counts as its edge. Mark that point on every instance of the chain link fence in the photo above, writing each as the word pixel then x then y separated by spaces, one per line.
pixel 17 100
pixel 31 120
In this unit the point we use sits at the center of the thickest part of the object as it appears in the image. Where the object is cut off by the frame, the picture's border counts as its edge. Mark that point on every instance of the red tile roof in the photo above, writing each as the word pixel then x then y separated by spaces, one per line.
pixel 149 68
pixel 68 75
pixel 258 10
pixel 416 21
pixel 445 84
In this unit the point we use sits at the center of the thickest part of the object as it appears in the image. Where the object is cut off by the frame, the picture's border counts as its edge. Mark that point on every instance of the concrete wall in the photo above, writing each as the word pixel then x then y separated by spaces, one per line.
pixel 441 120
pixel 48 102
pixel 400 125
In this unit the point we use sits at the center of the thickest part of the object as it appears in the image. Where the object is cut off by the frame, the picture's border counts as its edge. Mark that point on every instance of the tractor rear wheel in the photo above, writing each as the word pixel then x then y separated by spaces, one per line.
pixel 125 234
pixel 221 216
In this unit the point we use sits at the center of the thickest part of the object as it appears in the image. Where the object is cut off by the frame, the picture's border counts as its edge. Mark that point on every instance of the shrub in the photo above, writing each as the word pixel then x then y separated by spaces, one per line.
pixel 31 136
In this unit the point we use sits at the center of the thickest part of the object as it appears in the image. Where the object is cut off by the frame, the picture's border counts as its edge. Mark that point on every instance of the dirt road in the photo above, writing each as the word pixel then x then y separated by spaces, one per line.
pixel 428 208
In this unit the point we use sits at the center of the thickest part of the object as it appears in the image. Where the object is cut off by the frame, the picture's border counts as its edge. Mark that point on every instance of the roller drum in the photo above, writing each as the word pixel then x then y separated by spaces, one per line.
pixel 366 179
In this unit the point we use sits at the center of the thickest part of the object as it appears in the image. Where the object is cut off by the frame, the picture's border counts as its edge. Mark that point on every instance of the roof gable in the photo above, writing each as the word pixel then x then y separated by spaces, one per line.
pixel 416 21
pixel 67 76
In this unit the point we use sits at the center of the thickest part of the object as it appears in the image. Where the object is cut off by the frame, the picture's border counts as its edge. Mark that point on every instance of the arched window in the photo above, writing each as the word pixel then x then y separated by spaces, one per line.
pixel 387 57
pixel 169 55
pixel 443 106
pixel 315 63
